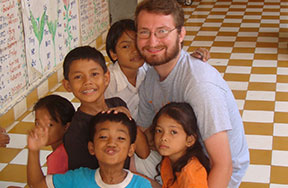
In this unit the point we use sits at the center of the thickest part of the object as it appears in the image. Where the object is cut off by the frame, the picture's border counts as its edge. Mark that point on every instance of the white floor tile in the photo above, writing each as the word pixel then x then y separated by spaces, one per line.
pixel 254 10
pixel 280 129
pixel 257 174
pixel 281 106
pixel 245 44
pixel 237 85
pixel 279 158
pixel 22 157
pixel 229 29
pixel 250 25
pixel 17 140
pixel 264 63
pixel 283 57
pixel 29 118
pixel 216 16
pixel 259 142
pixel 220 10
pixel 221 50
pixel 201 43
pixel 190 28
pixel 278 185
pixel 2 165
pixel 282 87
pixel 260 95
pixel 235 13
pixel 269 21
pixel 238 69
pixel 258 116
pixel 267 39
pixel 263 78
pixel 195 20
pixel 242 56
pixel 240 104
pixel 247 34
pixel 223 39
pixel 5 184
pixel 211 24
pixel 251 17
pixel 266 51
pixel 218 62
pixel 282 71
pixel 200 13
pixel 189 38
pixel 67 95
pixel 232 20
pixel 269 30
pixel 207 33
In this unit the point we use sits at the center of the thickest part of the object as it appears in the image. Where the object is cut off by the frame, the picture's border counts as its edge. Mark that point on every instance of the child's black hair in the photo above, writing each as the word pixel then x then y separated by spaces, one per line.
pixel 59 108
pixel 83 52
pixel 112 117
pixel 183 114
pixel 115 32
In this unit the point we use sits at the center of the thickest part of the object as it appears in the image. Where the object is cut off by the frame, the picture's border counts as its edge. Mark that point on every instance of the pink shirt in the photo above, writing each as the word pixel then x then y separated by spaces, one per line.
pixel 57 161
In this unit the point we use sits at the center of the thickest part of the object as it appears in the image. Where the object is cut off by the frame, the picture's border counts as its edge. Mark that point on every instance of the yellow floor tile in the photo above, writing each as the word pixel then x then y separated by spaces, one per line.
pixel 254 128
pixel 260 157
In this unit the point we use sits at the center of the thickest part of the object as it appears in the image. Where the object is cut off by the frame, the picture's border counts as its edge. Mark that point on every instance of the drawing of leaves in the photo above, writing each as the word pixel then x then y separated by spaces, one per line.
pixel 52 27
pixel 38 29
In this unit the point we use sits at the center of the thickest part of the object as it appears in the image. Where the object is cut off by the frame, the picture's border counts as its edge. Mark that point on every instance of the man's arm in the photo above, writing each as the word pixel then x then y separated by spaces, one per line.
pixel 219 153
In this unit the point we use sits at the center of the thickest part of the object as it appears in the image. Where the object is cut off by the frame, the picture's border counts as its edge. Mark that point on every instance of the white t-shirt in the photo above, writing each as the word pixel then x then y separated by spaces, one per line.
pixel 119 86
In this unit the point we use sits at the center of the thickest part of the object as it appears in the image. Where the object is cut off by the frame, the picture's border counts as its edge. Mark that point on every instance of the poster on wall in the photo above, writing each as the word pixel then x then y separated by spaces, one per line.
pixel 94 19
pixel 13 69
pixel 51 30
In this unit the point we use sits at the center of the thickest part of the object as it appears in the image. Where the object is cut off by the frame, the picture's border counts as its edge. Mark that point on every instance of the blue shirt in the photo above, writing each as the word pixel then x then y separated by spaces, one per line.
pixel 85 177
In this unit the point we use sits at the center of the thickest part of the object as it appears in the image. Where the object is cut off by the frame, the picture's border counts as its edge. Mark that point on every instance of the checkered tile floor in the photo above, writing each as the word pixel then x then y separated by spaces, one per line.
pixel 247 40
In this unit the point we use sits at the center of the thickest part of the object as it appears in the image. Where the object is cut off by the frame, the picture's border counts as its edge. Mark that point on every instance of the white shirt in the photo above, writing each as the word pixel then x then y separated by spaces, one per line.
pixel 119 86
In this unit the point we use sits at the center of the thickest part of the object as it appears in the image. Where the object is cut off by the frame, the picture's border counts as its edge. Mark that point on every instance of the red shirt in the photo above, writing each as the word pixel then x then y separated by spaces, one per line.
pixel 193 175
pixel 57 161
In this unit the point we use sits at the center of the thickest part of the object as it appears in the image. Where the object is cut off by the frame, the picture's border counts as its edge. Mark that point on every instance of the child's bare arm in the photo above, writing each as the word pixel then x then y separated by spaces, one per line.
pixel 142 147
pixel 37 138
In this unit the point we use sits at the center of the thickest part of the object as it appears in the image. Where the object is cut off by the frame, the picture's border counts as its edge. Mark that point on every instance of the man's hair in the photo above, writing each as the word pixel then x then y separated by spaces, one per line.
pixel 59 108
pixel 83 52
pixel 165 7
pixel 120 117
pixel 115 32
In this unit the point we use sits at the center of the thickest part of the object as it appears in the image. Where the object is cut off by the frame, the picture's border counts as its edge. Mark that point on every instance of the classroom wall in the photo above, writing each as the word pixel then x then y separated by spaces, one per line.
pixel 35 36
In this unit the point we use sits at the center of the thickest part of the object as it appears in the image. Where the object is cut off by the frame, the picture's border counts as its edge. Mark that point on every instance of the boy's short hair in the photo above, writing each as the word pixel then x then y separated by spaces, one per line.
pixel 119 117
pixel 115 32
pixel 83 52
pixel 58 107
pixel 165 7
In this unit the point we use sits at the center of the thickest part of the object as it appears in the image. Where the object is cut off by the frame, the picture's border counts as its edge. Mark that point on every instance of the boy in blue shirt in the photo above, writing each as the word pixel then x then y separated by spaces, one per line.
pixel 111 140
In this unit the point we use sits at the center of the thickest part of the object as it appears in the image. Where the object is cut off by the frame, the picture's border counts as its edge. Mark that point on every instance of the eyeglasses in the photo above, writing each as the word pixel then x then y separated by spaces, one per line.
pixel 159 33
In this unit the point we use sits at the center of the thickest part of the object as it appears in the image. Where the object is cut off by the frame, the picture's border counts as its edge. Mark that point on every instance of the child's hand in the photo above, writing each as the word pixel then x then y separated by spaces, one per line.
pixel 119 109
pixel 201 53
pixel 4 138
pixel 37 138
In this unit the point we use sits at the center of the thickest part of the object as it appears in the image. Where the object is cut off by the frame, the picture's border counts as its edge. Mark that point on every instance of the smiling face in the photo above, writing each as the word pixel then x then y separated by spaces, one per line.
pixel 158 51
pixel 87 81
pixel 170 138
pixel 126 52
pixel 111 144
pixel 55 129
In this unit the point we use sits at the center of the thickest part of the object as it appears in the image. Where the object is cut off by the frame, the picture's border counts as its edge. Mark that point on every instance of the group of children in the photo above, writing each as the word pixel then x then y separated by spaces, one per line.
pixel 94 146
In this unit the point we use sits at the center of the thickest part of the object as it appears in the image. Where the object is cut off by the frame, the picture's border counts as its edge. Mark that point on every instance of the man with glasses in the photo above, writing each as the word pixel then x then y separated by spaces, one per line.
pixel 175 76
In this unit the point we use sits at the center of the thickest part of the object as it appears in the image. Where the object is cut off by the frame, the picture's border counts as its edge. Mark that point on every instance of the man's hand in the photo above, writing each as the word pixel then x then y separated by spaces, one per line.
pixel 4 137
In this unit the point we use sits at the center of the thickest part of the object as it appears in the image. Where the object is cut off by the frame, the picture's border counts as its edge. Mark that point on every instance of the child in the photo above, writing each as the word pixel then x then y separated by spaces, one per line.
pixel 54 113
pixel 127 72
pixel 111 140
pixel 178 140
pixel 86 76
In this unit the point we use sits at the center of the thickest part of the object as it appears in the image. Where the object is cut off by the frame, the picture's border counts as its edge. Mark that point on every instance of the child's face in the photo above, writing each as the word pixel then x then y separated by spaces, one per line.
pixel 87 80
pixel 111 144
pixel 126 52
pixel 55 129
pixel 170 138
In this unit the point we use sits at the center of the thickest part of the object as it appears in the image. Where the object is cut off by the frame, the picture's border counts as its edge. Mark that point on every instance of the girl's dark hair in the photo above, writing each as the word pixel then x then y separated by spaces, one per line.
pixel 58 107
pixel 185 116
pixel 83 52
pixel 119 117
pixel 115 32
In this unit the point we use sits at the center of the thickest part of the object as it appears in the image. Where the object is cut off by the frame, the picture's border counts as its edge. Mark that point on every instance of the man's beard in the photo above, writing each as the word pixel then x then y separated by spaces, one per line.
pixel 155 60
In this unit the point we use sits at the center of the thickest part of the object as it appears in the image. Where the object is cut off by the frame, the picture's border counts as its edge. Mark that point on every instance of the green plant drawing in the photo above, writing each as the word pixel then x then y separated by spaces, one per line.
pixel 38 29
pixel 52 27
pixel 67 17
